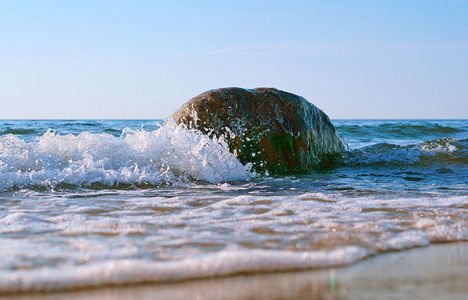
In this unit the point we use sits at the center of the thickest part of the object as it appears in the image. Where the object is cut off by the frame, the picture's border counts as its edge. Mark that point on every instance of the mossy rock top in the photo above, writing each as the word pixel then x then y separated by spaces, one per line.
pixel 276 131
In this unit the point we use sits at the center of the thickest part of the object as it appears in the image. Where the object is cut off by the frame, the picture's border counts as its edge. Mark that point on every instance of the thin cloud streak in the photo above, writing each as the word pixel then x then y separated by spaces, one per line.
pixel 280 49
pixel 331 49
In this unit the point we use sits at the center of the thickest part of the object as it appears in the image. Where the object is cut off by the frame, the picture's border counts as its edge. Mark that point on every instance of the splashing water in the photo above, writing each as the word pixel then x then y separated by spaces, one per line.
pixel 95 203
pixel 169 154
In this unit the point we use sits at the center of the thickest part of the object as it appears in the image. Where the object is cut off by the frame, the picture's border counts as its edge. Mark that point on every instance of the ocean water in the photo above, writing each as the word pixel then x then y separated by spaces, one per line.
pixel 90 203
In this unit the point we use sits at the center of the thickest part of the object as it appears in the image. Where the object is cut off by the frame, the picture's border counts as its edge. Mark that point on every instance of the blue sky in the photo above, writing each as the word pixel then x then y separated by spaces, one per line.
pixel 144 59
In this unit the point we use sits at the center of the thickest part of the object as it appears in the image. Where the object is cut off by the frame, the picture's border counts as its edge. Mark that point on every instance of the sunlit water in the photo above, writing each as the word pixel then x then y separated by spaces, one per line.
pixel 92 203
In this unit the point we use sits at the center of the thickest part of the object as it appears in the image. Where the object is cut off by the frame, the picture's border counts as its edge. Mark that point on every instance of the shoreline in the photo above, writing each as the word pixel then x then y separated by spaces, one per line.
pixel 436 271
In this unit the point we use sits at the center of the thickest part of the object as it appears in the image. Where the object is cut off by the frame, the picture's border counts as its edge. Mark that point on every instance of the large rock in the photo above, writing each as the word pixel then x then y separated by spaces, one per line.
pixel 276 131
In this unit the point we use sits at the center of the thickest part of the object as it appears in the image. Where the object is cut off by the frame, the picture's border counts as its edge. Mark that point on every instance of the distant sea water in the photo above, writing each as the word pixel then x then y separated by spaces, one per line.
pixel 89 203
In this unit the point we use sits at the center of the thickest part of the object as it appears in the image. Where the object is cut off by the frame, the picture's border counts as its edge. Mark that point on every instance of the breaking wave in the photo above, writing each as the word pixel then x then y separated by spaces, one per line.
pixel 431 152
pixel 213 265
pixel 172 154
pixel 137 158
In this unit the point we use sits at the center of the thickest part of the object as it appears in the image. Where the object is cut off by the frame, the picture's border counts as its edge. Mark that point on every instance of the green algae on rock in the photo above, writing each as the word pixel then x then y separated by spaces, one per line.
pixel 276 131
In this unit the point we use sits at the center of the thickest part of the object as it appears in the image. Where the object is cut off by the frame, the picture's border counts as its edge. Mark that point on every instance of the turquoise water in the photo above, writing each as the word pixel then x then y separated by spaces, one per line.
pixel 97 202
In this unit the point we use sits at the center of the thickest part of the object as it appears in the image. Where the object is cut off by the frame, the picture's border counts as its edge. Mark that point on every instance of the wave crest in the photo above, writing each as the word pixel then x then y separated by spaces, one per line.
pixel 426 153
pixel 167 155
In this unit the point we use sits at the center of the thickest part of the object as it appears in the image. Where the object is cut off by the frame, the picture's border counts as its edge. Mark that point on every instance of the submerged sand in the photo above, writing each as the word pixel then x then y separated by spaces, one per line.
pixel 435 272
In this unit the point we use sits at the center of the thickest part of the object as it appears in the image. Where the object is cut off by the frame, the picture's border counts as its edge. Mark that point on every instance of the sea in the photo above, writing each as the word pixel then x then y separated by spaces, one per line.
pixel 96 203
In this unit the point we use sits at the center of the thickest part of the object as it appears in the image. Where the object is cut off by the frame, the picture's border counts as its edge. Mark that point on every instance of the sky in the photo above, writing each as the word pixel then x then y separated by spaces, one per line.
pixel 140 59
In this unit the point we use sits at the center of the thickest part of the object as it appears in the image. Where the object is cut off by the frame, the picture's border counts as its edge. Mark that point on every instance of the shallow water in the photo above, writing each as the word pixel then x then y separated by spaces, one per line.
pixel 91 203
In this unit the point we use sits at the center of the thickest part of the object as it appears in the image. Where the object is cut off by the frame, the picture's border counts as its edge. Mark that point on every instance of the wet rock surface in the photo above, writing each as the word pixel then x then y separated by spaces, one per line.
pixel 276 131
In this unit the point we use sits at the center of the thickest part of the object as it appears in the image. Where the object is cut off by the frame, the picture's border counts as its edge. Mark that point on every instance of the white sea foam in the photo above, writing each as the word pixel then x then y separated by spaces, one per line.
pixel 405 240
pixel 223 263
pixel 197 220
pixel 60 242
pixel 168 154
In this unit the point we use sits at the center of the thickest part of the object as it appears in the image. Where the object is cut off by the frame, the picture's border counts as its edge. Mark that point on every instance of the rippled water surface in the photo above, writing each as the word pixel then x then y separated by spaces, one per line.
pixel 91 203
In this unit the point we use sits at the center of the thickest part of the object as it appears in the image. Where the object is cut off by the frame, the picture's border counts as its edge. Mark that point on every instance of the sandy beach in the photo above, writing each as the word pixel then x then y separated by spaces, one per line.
pixel 436 272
